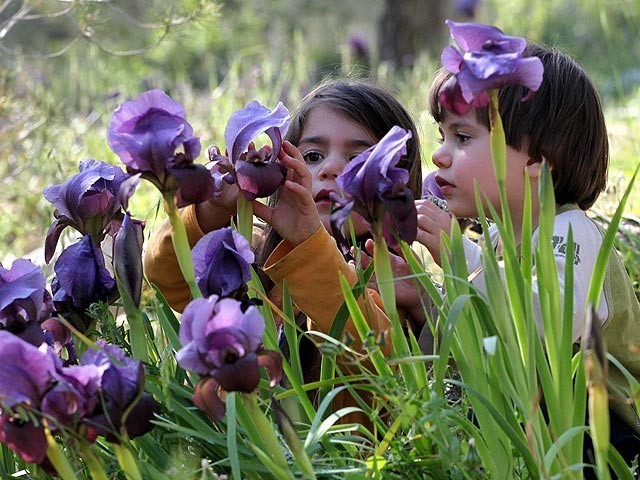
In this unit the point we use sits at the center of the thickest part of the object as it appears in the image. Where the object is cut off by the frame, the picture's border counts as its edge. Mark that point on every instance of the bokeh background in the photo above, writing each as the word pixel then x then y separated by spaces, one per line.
pixel 66 65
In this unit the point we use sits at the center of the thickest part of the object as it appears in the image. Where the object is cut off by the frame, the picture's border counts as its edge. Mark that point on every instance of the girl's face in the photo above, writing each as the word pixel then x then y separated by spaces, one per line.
pixel 329 140
pixel 464 159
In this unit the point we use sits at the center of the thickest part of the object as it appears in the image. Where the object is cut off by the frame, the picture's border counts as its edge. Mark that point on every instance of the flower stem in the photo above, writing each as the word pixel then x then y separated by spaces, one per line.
pixel 181 245
pixel 265 428
pixel 95 466
pixel 386 287
pixel 57 458
pixel 245 217
pixel 127 462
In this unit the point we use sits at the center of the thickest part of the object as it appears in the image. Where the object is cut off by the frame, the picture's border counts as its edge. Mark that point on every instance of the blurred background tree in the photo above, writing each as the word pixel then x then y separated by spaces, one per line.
pixel 66 64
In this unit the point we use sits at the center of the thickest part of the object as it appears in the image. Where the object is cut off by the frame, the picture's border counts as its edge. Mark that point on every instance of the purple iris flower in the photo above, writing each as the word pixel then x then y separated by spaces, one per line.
pixel 127 257
pixel 88 202
pixel 26 374
pixel 152 137
pixel 81 279
pixel 23 300
pixel 486 60
pixel 222 260
pixel 256 172
pixel 222 343
pixel 35 385
pixel 121 392
pixel 376 189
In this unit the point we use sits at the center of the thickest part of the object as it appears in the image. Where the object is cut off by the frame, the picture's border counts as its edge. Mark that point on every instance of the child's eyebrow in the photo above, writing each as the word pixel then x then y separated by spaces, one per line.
pixel 321 140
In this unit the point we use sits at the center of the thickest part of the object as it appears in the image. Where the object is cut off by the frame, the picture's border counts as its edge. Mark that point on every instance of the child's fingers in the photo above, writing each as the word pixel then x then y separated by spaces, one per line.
pixel 262 211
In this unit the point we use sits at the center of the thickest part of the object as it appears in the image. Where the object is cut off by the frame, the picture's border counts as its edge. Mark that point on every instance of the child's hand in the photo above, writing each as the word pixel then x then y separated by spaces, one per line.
pixel 295 217
pixel 432 221
pixel 217 212
pixel 407 291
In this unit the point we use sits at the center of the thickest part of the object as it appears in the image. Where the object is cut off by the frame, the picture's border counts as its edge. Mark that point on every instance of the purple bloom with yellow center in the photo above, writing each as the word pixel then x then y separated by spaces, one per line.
pixel 222 260
pixel 376 188
pixel 485 60
pixel 23 300
pixel 256 172
pixel 222 343
pixel 152 138
pixel 88 202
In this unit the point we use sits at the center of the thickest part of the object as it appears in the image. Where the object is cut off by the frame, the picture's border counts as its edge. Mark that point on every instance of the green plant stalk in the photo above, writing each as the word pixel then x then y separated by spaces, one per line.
pixel 181 245
pixel 127 462
pixel 57 458
pixel 137 334
pixel 245 217
pixel 96 469
pixel 386 287
pixel 264 428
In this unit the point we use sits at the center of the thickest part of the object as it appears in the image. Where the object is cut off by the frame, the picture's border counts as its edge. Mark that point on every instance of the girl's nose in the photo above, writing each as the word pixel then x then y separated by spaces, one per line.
pixel 332 166
pixel 441 158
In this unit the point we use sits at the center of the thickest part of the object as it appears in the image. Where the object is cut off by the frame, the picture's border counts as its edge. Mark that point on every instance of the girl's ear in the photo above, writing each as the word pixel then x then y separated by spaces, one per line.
pixel 534 169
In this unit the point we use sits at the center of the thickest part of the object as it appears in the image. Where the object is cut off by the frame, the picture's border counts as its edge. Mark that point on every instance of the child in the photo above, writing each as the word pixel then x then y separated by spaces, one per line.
pixel 334 123
pixel 563 124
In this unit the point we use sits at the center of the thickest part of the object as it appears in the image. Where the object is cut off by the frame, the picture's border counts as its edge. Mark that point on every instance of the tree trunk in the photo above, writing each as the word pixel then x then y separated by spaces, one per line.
pixel 409 27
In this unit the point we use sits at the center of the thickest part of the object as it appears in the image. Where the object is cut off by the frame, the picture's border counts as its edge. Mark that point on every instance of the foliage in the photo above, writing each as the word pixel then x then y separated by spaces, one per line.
pixel 54 113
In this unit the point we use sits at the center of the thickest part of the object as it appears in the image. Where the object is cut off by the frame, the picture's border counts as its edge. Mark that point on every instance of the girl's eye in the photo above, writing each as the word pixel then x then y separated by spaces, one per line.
pixel 462 138
pixel 351 157
pixel 312 157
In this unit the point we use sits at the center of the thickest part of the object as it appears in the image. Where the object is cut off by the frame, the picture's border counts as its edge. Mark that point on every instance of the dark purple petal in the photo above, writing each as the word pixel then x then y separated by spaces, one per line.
pixel 242 375
pixel 26 373
pixel 195 184
pixel 25 438
pixel 205 397
pixel 138 420
pixel 127 258
pixel 272 361
pixel 53 235
pixel 222 261
pixel 81 279
pixel 401 219
pixel 259 179
pixel 246 124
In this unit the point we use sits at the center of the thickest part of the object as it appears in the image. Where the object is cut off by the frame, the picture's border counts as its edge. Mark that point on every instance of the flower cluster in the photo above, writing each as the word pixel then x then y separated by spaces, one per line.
pixel 103 395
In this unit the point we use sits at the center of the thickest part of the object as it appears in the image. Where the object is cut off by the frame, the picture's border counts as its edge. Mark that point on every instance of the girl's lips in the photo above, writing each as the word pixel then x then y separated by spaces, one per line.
pixel 323 196
pixel 445 187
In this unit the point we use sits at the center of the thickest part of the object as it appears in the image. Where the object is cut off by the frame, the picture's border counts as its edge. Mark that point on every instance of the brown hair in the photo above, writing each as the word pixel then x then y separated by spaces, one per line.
pixel 562 122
